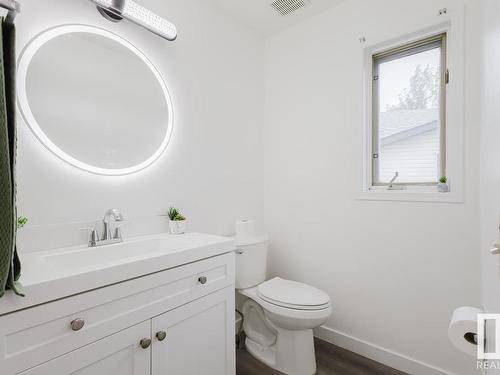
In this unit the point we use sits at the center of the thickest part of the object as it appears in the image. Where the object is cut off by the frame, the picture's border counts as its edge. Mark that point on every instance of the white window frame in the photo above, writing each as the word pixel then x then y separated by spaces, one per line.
pixel 453 26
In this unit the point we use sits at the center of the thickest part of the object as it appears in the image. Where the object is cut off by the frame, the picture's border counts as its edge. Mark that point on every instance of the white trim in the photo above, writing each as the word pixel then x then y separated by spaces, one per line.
pixel 377 353
pixel 23 65
pixel 411 194
pixel 453 23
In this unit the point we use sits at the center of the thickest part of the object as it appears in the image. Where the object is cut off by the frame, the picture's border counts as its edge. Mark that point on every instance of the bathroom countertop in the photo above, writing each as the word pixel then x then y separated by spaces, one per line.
pixel 54 274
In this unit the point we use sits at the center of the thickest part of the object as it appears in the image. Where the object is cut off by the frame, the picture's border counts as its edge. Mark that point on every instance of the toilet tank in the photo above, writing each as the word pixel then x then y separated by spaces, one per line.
pixel 251 261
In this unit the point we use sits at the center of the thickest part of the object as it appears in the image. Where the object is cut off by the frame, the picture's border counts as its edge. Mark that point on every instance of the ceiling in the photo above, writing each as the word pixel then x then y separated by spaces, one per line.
pixel 259 15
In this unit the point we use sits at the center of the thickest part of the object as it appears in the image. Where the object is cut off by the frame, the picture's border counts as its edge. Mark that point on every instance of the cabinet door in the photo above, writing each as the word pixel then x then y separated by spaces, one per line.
pixel 199 337
pixel 118 354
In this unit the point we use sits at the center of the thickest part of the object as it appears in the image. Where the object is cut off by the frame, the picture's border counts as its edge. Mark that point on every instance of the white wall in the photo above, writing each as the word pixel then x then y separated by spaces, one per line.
pixel 490 155
pixel 212 169
pixel 395 271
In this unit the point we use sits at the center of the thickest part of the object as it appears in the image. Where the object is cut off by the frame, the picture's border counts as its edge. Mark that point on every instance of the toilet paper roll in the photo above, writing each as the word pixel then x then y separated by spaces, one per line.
pixel 463 328
pixel 245 229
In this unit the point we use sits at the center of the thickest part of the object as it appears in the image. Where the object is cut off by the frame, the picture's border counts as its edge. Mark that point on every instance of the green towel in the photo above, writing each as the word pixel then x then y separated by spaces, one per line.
pixel 10 266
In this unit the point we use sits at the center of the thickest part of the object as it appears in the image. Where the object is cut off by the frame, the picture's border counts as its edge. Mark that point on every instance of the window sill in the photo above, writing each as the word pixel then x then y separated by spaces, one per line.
pixel 410 194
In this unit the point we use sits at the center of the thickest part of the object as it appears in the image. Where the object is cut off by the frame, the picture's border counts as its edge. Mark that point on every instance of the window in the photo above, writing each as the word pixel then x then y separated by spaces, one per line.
pixel 409 113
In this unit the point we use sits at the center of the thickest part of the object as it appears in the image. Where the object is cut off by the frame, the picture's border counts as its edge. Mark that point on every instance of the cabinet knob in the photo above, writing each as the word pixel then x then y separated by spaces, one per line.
pixel 161 335
pixel 145 343
pixel 77 324
pixel 202 280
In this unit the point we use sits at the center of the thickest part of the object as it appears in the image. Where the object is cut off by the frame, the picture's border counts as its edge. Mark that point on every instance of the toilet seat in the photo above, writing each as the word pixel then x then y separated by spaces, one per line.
pixel 292 295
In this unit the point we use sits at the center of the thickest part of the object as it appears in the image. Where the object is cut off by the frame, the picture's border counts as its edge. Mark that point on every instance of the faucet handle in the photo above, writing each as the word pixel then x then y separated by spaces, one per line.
pixel 118 232
pixel 94 236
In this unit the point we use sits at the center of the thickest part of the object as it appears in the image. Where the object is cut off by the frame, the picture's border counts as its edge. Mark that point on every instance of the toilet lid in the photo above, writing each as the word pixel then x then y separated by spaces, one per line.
pixel 292 294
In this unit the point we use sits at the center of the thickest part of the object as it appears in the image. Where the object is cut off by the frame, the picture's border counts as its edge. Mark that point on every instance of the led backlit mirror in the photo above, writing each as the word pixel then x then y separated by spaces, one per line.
pixel 94 100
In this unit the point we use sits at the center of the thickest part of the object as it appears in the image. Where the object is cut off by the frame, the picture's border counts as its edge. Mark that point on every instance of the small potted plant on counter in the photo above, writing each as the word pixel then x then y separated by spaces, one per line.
pixel 443 185
pixel 177 223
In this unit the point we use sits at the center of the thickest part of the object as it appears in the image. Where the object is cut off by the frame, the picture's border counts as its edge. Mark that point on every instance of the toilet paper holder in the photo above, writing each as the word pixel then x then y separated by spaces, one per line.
pixel 471 338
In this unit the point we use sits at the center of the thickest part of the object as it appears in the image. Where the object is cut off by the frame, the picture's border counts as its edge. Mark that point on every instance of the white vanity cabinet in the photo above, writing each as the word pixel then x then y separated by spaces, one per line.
pixel 177 322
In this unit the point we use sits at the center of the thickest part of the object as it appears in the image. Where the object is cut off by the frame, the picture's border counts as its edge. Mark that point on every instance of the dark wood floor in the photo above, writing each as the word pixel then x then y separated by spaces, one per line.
pixel 330 359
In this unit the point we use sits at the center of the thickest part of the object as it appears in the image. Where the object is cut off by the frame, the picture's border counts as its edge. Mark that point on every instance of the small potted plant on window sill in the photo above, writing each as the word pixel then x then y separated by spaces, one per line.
pixel 177 222
pixel 443 185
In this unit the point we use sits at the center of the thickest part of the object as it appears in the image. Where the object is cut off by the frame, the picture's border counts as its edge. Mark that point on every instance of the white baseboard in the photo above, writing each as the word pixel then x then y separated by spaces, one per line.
pixel 377 353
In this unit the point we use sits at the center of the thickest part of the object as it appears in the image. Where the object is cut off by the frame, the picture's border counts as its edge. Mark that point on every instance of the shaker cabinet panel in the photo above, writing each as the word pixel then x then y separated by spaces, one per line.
pixel 120 353
pixel 197 338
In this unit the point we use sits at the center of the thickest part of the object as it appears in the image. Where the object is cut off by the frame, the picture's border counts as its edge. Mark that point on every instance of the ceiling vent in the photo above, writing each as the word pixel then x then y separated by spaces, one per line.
pixel 286 7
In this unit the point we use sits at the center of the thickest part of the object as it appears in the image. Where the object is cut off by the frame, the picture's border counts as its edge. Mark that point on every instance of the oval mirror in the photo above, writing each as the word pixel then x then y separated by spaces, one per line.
pixel 94 100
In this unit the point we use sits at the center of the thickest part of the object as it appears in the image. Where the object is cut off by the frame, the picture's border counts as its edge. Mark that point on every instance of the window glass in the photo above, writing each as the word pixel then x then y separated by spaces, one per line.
pixel 407 118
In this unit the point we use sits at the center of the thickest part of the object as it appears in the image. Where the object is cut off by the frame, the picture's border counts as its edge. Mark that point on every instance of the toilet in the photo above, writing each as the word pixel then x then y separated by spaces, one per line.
pixel 279 315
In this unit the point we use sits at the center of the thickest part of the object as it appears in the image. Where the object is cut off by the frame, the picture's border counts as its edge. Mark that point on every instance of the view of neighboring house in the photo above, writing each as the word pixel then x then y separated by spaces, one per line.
pixel 409 144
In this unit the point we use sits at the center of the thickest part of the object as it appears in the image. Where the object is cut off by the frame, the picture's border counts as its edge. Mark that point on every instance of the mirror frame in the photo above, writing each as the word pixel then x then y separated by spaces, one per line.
pixel 23 65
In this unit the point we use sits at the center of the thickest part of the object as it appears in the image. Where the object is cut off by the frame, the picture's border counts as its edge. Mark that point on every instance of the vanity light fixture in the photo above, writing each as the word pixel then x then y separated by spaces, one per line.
pixel 116 10
pixel 13 8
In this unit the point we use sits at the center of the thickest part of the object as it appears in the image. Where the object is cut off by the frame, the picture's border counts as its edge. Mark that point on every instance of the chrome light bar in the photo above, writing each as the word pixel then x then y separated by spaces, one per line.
pixel 115 10
pixel 13 8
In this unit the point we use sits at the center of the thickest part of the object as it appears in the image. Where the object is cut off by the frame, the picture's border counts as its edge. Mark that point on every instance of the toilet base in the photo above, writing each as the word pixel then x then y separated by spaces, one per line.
pixel 292 354
pixel 264 355
pixel 281 337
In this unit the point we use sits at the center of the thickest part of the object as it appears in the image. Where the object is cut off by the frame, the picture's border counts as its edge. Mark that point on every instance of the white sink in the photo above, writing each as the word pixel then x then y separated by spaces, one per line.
pixel 81 259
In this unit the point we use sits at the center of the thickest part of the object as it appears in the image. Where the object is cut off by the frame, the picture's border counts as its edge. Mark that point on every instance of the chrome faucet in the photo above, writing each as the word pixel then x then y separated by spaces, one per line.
pixel 112 213
pixel 107 238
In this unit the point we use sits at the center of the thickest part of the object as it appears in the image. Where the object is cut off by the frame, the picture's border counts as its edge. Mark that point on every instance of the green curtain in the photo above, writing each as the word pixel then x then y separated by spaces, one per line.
pixel 10 266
